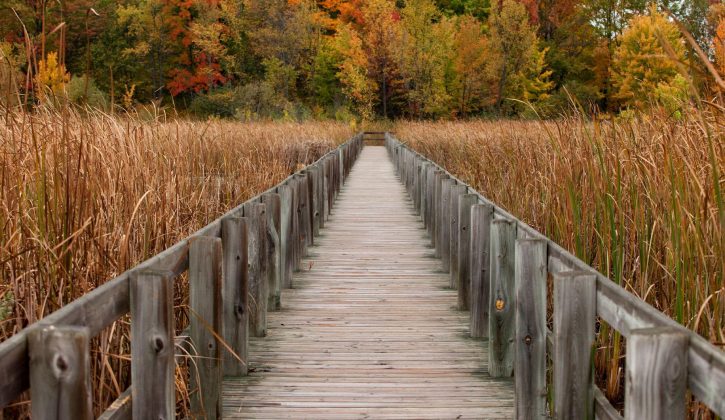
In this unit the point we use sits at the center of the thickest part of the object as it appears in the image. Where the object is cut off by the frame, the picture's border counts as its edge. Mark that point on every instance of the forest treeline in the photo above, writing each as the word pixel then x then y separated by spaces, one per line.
pixel 345 59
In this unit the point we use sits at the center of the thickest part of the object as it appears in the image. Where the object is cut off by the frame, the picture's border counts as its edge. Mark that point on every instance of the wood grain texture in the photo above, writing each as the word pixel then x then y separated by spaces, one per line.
pixel 235 295
pixel 481 217
pixel 574 317
pixel 444 218
pixel 274 249
pixel 457 191
pixel 205 305
pixel 256 215
pixel 656 377
pixel 502 302
pixel 530 344
pixel 152 345
pixel 60 373
pixel 465 203
pixel 370 329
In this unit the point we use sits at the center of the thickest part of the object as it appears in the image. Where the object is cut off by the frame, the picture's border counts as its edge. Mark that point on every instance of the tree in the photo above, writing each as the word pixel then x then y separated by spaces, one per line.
pixel 470 53
pixel 515 56
pixel 353 71
pixel 642 69
pixel 380 34
pixel 425 56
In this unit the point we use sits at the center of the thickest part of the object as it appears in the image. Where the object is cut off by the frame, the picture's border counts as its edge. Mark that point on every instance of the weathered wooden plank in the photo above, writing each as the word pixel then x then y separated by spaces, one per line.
pixel 256 215
pixel 574 317
pixel 530 347
pixel 440 176
pixel 152 345
pixel 656 377
pixel 121 408
pixel 60 373
pixel 501 303
pixel 465 204
pixel 444 238
pixel 235 295
pixel 274 251
pixel 305 213
pixel 314 201
pixel 205 306
pixel 603 409
pixel 286 232
pixel 456 192
pixel 481 218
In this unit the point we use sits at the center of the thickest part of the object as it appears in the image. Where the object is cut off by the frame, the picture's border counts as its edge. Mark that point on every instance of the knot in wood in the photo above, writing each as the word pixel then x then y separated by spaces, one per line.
pixel 158 343
pixel 500 304
pixel 61 365
pixel 527 340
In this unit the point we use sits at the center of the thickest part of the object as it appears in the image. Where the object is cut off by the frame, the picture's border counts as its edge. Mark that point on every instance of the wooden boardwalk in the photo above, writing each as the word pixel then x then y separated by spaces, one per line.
pixel 370 328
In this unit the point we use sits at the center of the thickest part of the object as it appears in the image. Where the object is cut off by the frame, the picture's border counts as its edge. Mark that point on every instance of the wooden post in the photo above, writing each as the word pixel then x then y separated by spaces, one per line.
pixel 285 238
pixel 274 252
pixel 313 201
pixel 425 168
pixel 429 200
pixel 445 222
pixel 465 203
pixel 481 218
pixel 235 295
pixel 574 316
pixel 152 345
pixel 456 192
pixel 656 379
pixel 256 215
pixel 437 213
pixel 304 215
pixel 60 373
pixel 502 305
pixel 530 347
pixel 205 305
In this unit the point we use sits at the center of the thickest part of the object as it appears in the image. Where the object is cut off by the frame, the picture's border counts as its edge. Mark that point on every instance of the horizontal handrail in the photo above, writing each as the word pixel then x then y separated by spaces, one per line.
pixel 110 301
pixel 622 310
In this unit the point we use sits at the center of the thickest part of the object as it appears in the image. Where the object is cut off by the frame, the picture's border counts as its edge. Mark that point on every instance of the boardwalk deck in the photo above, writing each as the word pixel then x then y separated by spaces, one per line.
pixel 370 329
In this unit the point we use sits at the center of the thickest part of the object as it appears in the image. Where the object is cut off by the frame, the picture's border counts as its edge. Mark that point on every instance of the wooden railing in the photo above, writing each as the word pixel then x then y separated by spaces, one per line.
pixel 236 267
pixel 500 266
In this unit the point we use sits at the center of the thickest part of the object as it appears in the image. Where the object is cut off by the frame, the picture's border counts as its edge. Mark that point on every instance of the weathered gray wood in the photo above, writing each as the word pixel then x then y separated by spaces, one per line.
pixel 502 304
pixel 424 178
pixel 574 318
pixel 481 218
pixel 152 345
pixel 437 212
pixel 60 373
pixel 256 215
pixel 369 330
pixel 465 204
pixel 603 409
pixel 121 408
pixel 205 306
pixel 235 295
pixel 286 231
pixel 274 251
pixel 304 214
pixel 314 186
pixel 530 345
pixel 456 192
pixel 445 223
pixel 656 378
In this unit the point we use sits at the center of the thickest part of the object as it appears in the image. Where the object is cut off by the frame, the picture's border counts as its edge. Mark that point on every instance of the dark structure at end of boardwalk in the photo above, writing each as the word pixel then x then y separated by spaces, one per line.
pixel 320 298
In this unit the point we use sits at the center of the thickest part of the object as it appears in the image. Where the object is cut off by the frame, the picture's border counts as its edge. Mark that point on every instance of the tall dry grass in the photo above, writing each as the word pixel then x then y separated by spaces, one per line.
pixel 640 200
pixel 85 197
